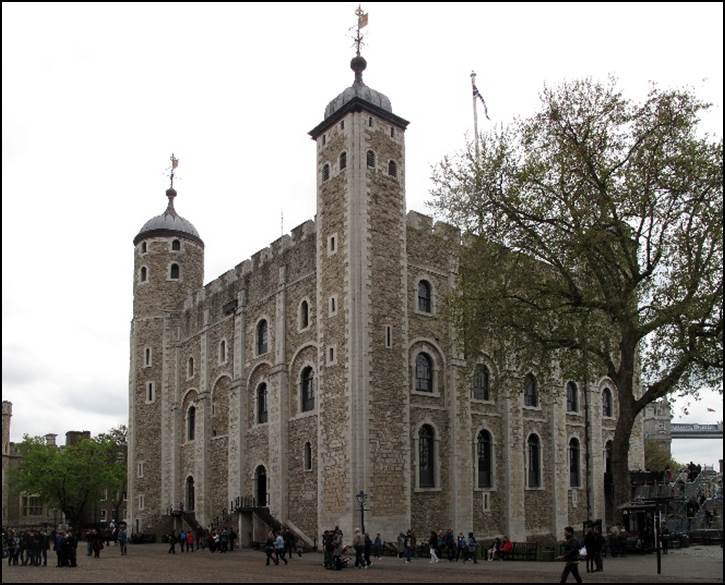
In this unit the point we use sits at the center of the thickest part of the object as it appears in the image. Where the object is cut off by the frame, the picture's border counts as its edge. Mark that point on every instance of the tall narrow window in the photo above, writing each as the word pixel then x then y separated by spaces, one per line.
pixel 144 274
pixel 174 273
pixel 371 159
pixel 423 373
pixel 307 389
pixel 308 457
pixel 190 499
pixel 392 132
pixel 388 336
pixel 325 172
pixel 343 160
pixel 144 248
pixel 531 395
pixel 424 296
pixel 607 409
pixel 176 245
pixel 574 477
pixel 304 315
pixel 534 460
pixel 484 459
pixel 370 122
pixel 190 368
pixel 572 401
pixel 262 337
pixel 392 169
pixel 481 383
pixel 262 415
pixel 426 456
pixel 150 394
pixel 147 357
pixel 191 423
pixel 223 351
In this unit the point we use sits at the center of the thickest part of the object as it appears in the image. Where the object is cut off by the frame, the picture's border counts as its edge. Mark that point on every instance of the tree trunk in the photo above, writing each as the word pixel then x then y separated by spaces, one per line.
pixel 621 483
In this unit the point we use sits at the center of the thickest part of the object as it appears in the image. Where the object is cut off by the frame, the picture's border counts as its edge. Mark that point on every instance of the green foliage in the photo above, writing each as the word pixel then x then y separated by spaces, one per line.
pixel 656 457
pixel 72 477
pixel 597 226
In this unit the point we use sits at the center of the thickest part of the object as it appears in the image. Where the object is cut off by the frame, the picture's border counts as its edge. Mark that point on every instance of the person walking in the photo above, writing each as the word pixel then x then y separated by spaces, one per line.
pixel 378 546
pixel 279 548
pixel 570 556
pixel 433 546
pixel 269 549
pixel 172 543
pixel 358 543
pixel 123 539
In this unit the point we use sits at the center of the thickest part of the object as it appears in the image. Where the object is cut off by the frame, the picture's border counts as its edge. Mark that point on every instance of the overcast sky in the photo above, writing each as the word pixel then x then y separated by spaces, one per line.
pixel 96 97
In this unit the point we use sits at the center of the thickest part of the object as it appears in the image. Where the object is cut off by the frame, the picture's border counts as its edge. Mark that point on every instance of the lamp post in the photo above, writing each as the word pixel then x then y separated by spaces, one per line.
pixel 361 498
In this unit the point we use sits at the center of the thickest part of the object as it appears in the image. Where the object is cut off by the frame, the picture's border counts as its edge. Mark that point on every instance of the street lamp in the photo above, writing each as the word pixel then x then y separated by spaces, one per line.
pixel 361 500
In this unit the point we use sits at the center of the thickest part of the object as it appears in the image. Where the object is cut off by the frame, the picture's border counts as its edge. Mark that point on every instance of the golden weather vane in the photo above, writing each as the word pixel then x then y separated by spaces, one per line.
pixel 362 21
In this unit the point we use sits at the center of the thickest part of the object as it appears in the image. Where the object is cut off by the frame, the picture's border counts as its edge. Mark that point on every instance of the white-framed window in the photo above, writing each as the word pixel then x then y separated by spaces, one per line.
pixel 388 337
pixel 147 357
pixel 141 502
pixel 191 423
pixel 174 271
pixel 343 161
pixel 144 248
pixel 139 469
pixel 332 305
pixel 103 515
pixel 331 355
pixel 31 505
pixel 484 460
pixel 150 392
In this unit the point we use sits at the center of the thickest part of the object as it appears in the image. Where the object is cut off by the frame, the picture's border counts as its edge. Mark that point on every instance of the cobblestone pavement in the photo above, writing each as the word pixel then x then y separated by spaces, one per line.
pixel 151 563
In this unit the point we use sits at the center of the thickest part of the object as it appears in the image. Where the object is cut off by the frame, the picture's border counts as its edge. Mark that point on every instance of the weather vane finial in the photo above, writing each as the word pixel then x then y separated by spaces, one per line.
pixel 174 164
pixel 362 21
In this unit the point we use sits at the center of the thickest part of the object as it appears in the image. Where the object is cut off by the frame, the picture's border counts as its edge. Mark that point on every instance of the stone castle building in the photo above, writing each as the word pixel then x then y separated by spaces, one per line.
pixel 323 366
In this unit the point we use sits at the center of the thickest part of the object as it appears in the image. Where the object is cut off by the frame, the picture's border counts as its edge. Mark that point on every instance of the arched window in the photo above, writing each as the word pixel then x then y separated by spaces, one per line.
pixel 190 368
pixel 190 423
pixel 481 389
pixel 262 415
pixel 371 159
pixel 572 397
pixel 144 274
pixel 326 172
pixel 423 373
pixel 223 351
pixel 174 272
pixel 531 394
pixel 304 315
pixel 262 337
pixel 260 476
pixel 426 456
pixel 176 245
pixel 607 405
pixel 574 479
pixel 392 169
pixel 424 296
pixel 190 493
pixel 144 248
pixel 343 160
pixel 484 459
pixel 307 389
pixel 308 456
pixel 534 461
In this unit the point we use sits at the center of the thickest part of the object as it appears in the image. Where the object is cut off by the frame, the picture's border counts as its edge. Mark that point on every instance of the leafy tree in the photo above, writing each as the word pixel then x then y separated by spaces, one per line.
pixel 656 457
pixel 118 436
pixel 70 478
pixel 599 225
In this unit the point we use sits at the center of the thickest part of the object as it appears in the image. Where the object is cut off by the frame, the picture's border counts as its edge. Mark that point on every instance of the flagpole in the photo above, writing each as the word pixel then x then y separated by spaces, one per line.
pixel 475 112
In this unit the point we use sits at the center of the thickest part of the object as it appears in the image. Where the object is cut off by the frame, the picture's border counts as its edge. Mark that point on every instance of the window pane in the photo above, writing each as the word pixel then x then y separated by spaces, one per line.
pixel 423 373
pixel 426 462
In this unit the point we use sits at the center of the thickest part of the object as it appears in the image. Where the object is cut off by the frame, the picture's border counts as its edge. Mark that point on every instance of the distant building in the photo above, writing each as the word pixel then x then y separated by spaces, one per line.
pixel 23 510
pixel 658 424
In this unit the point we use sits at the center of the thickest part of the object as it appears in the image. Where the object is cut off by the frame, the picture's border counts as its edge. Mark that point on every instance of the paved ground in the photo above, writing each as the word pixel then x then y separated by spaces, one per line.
pixel 151 563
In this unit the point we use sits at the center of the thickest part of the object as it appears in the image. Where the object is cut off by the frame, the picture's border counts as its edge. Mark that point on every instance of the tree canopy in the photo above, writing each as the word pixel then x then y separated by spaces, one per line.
pixel 73 477
pixel 598 228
